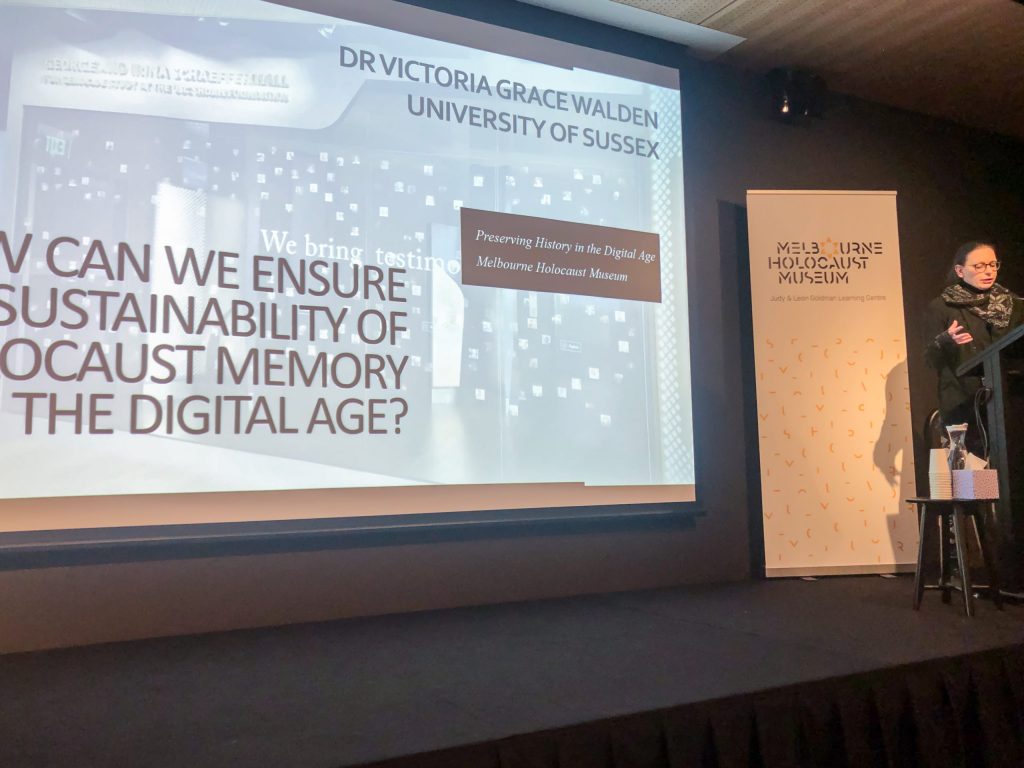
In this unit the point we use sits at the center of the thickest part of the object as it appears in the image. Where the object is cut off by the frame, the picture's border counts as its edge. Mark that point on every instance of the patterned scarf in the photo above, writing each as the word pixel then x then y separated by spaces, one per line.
pixel 993 306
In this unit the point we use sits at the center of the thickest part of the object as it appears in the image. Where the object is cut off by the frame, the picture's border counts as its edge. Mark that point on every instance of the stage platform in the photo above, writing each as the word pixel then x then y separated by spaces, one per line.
pixel 838 671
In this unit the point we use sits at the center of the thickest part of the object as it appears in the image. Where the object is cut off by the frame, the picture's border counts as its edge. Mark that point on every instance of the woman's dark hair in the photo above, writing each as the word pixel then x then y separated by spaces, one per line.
pixel 960 258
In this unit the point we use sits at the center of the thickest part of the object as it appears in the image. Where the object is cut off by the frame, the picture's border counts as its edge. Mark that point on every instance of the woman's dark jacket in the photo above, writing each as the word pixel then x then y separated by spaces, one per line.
pixel 945 355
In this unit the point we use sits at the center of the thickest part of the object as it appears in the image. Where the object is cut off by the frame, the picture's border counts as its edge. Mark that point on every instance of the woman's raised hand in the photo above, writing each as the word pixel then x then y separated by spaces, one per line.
pixel 959 334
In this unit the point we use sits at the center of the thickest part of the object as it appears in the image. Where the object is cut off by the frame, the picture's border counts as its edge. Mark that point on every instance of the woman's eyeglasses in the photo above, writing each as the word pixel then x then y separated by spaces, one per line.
pixel 993 265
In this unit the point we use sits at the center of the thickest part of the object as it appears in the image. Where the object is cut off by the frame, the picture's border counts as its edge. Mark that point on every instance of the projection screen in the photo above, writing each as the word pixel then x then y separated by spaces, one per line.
pixel 259 264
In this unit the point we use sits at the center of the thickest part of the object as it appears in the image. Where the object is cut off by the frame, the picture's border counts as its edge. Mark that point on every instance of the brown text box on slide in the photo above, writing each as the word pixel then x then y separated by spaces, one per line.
pixel 505 250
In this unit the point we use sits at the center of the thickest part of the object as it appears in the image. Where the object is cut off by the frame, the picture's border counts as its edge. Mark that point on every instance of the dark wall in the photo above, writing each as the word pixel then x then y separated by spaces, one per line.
pixel 952 182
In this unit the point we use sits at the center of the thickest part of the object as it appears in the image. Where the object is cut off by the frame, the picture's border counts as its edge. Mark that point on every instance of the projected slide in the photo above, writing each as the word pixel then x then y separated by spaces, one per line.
pixel 261 249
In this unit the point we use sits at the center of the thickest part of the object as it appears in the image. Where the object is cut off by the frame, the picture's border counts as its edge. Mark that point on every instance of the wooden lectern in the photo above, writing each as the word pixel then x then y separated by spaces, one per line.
pixel 1002 366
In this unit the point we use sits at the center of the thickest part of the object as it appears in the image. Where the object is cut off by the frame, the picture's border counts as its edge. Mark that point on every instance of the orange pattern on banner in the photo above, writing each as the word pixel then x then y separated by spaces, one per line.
pixel 855 441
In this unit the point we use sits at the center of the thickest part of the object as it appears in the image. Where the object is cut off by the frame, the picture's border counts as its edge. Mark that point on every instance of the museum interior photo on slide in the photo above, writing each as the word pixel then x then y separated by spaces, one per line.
pixel 598 383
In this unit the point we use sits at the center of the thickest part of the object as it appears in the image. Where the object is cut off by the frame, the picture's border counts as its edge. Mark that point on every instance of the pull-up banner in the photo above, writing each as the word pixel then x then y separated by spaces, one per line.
pixel 833 402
